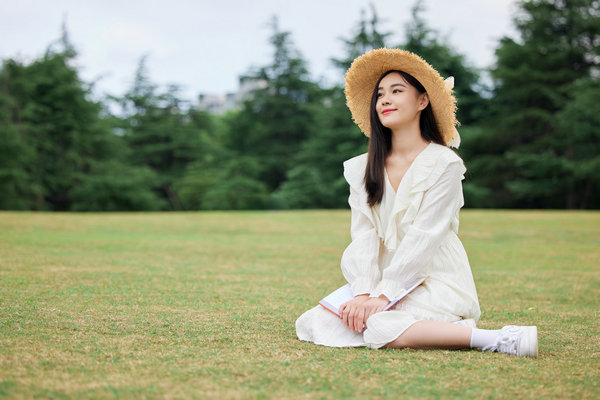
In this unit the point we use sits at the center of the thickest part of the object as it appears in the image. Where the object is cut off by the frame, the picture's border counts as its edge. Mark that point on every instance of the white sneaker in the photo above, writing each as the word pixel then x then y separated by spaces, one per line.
pixel 516 340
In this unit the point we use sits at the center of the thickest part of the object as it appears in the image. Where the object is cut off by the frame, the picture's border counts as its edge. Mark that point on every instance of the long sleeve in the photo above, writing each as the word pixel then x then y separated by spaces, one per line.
pixel 359 261
pixel 432 223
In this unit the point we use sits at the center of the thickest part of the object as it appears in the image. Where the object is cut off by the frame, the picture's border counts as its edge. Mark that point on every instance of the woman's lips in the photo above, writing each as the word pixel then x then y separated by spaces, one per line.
pixel 388 110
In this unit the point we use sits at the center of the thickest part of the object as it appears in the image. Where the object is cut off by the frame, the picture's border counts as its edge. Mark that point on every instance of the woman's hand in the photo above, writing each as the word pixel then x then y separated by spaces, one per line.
pixel 375 305
pixel 353 312
pixel 357 311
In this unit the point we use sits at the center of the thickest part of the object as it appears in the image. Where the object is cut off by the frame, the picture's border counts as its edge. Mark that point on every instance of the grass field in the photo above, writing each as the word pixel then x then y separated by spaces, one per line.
pixel 194 305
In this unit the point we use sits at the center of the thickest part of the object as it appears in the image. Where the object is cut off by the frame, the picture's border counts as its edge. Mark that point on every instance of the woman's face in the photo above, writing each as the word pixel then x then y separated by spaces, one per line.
pixel 399 104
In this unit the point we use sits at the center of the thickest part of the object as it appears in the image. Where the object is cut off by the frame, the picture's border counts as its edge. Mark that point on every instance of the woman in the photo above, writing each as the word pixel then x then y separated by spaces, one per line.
pixel 405 196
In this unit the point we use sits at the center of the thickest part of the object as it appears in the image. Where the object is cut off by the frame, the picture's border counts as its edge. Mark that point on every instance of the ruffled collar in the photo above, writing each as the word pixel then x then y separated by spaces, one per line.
pixel 424 171
pixel 354 168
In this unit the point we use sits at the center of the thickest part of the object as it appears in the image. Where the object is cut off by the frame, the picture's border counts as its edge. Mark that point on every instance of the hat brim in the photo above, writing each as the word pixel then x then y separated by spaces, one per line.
pixel 363 74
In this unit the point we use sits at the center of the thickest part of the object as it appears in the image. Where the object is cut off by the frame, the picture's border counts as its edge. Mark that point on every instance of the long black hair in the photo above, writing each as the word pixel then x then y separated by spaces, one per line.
pixel 380 143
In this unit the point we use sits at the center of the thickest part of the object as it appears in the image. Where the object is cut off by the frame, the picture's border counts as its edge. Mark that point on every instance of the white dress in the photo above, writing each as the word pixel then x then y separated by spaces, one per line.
pixel 411 233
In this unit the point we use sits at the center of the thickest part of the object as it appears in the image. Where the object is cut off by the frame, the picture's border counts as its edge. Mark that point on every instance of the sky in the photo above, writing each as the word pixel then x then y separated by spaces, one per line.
pixel 205 45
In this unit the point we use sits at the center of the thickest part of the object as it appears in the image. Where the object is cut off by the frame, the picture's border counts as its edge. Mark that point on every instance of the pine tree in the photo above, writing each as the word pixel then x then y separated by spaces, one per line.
pixel 49 110
pixel 316 179
pixel 222 178
pixel 16 188
pixel 367 36
pixel 60 153
pixel 247 153
pixel 272 125
pixel 535 148
pixel 160 134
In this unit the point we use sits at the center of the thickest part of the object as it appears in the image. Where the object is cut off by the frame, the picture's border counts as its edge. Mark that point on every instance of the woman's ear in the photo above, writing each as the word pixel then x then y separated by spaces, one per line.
pixel 423 101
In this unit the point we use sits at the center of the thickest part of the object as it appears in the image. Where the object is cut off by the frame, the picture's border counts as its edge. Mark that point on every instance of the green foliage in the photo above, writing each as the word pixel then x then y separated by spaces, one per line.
pixel 160 134
pixel 534 143
pixel 52 107
pixel 272 125
pixel 545 84
pixel 223 176
pixel 63 154
pixel 114 186
pixel 52 127
pixel 17 156
pixel 229 183
pixel 316 180
pixel 579 136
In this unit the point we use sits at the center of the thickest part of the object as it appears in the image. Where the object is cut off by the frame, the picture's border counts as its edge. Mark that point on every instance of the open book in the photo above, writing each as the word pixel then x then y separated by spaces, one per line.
pixel 334 300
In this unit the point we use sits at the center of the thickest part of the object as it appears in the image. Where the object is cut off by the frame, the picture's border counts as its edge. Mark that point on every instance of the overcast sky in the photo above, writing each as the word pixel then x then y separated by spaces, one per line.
pixel 204 45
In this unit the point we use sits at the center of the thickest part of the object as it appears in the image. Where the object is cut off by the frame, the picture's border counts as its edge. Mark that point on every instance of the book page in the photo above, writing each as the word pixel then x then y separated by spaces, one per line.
pixel 334 300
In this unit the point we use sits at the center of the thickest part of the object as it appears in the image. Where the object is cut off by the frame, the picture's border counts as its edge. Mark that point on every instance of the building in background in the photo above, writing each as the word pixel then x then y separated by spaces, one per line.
pixel 221 103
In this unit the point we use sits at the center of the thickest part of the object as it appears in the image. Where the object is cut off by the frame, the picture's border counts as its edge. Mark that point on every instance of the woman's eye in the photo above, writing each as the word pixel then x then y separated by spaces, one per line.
pixel 379 95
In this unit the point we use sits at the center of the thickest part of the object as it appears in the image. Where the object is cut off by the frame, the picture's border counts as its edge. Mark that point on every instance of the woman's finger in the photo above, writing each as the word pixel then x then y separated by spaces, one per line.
pixel 345 315
pixel 354 320
pixel 353 315
pixel 359 321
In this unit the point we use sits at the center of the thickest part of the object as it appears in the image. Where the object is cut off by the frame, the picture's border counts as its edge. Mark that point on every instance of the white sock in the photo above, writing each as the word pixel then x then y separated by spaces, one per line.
pixel 481 338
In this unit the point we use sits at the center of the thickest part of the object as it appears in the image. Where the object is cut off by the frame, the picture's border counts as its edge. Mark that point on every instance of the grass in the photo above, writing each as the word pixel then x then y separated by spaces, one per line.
pixel 190 305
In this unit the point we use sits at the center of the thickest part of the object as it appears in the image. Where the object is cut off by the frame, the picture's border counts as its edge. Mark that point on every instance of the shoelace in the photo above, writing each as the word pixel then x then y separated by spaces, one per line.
pixel 504 344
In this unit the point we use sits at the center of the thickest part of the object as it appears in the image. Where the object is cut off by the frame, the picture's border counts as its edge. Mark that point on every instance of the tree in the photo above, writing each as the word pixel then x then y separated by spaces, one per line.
pixel 579 135
pixel 542 81
pixel 272 125
pixel 366 37
pixel 316 179
pixel 221 177
pixel 161 135
pixel 16 189
pixel 110 182
pixel 56 123
pixel 60 151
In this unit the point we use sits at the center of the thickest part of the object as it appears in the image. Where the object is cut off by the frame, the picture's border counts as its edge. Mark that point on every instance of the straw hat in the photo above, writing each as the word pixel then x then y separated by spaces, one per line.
pixel 368 68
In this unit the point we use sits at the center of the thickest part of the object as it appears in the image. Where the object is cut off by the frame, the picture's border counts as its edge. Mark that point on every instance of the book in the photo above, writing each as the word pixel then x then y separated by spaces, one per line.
pixel 333 301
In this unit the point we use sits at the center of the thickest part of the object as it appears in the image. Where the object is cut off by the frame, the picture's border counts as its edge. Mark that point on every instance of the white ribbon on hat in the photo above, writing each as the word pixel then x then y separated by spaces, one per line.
pixel 455 141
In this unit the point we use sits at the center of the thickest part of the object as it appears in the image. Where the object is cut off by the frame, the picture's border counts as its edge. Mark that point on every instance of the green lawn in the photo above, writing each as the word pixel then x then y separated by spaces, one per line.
pixel 191 305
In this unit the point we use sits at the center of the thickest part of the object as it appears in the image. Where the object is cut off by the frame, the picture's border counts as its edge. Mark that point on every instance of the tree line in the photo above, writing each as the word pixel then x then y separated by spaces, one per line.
pixel 530 138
